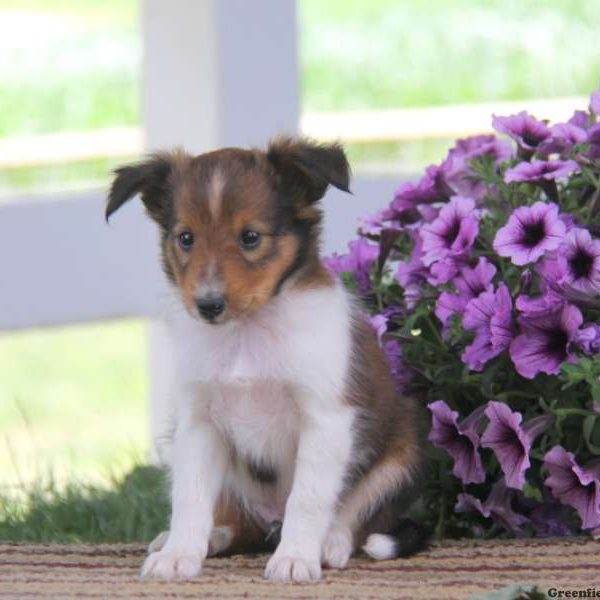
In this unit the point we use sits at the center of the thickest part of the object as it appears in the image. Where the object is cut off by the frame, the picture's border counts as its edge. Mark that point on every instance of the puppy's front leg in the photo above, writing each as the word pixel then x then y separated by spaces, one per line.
pixel 323 452
pixel 199 463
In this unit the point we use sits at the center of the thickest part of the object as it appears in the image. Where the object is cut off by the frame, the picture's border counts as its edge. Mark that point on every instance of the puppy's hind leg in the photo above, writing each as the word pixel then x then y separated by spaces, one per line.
pixel 371 516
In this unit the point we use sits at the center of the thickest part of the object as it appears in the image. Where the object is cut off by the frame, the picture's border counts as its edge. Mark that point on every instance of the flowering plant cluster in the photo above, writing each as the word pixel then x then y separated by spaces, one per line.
pixel 482 281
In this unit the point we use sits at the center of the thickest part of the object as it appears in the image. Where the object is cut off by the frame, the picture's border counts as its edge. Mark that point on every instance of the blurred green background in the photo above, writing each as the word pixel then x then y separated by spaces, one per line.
pixel 73 400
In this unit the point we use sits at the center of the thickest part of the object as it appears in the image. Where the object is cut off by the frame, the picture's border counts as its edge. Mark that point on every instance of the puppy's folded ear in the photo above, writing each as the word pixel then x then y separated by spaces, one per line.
pixel 148 178
pixel 306 168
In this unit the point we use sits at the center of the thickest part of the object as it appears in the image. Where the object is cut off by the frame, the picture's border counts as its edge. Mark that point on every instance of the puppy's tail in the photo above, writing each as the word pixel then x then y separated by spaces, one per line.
pixel 407 538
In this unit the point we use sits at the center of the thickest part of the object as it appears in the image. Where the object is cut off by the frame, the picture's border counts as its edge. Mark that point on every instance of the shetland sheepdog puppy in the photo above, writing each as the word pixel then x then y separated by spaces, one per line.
pixel 289 432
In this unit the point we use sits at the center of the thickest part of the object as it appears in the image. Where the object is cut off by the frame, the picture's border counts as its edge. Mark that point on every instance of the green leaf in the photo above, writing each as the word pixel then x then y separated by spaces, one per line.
pixel 589 425
pixel 532 492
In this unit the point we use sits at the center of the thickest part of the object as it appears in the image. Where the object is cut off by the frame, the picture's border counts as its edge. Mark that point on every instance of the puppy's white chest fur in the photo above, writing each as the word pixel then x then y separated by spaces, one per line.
pixel 250 376
pixel 259 418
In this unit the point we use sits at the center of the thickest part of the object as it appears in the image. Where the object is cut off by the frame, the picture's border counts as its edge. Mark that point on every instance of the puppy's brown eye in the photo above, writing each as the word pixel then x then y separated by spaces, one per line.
pixel 249 239
pixel 186 240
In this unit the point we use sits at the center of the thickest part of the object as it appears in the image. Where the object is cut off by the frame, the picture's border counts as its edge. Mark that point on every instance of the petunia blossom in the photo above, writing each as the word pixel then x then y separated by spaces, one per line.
pixel 533 307
pixel 379 324
pixel 564 137
pixel 511 441
pixel 580 118
pixel 459 440
pixel 358 261
pixel 470 282
pixel 490 316
pixel 373 224
pixel 457 170
pixel 551 519
pixel 594 141
pixel 527 131
pixel 497 506
pixel 413 270
pixel 573 485
pixel 595 102
pixel 588 339
pixel 546 342
pixel 540 170
pixel 578 262
pixel 400 371
pixel 452 233
pixel 530 232
pixel 428 190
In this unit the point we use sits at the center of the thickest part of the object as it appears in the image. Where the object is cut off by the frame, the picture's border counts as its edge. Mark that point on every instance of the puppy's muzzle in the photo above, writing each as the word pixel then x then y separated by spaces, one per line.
pixel 210 307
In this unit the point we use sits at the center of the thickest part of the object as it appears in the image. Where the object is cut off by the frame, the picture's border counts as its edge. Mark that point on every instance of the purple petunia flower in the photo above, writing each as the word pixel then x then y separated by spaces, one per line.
pixel 457 170
pixel 527 131
pixel 595 102
pixel 594 141
pixel 490 316
pixel 453 233
pixel 373 224
pixel 412 271
pixel 459 440
pixel 588 339
pixel 426 191
pixel 531 231
pixel 497 506
pixel 546 342
pixel 564 137
pixel 539 170
pixel 573 485
pixel 379 324
pixel 401 373
pixel 580 118
pixel 471 282
pixel 511 441
pixel 578 262
pixel 534 307
pixel 550 519
pixel 358 262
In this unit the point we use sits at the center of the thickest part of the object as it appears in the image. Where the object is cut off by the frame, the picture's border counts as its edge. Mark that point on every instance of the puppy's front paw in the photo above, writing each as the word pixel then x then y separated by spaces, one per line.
pixel 172 565
pixel 292 568
pixel 337 548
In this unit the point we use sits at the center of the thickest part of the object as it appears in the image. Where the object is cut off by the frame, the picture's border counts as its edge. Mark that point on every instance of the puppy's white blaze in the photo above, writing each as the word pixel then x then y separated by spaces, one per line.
pixel 215 193
pixel 211 284
pixel 381 547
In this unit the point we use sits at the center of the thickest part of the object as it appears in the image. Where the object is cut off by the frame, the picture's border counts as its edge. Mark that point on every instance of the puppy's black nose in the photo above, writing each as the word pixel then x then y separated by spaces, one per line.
pixel 210 307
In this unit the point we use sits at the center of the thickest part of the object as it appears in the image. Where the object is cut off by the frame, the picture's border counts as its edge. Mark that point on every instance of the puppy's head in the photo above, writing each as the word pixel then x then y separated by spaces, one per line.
pixel 235 224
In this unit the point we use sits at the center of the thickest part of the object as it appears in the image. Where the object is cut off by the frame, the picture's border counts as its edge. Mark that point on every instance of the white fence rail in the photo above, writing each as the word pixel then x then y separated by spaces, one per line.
pixel 394 125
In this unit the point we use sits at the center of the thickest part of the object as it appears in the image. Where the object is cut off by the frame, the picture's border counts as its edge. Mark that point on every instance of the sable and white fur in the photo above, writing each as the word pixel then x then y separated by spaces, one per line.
pixel 285 412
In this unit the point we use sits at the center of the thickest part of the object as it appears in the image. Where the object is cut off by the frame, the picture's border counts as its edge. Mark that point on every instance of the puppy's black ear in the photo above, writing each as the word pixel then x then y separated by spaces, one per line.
pixel 148 178
pixel 307 167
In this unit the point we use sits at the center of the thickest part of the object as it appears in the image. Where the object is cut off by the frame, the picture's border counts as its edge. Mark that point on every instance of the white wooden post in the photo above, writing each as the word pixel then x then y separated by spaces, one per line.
pixel 215 73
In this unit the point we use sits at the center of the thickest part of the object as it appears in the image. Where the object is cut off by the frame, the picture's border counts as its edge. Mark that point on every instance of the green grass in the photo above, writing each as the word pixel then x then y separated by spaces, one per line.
pixel 72 402
pixel 80 71
pixel 134 508
pixel 386 53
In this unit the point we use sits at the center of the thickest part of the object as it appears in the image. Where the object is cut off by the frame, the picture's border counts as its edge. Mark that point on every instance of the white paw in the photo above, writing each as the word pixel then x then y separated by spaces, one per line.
pixel 172 565
pixel 337 548
pixel 292 568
